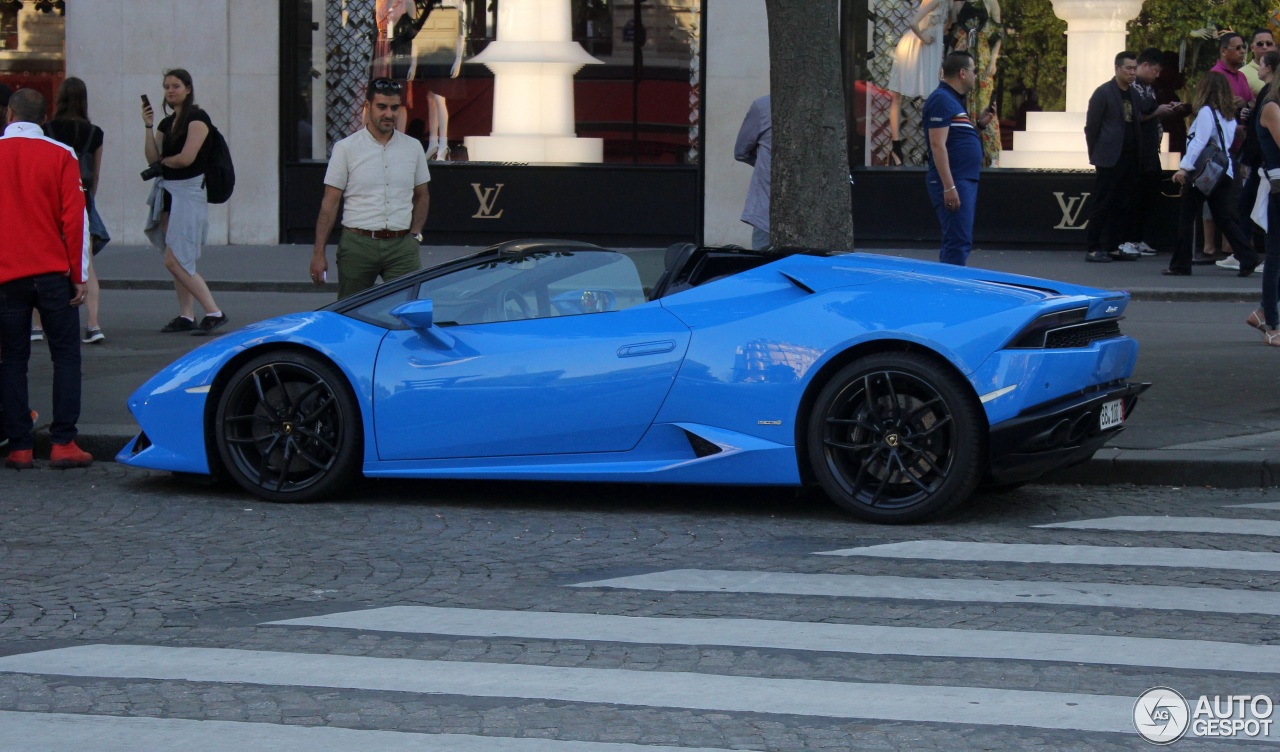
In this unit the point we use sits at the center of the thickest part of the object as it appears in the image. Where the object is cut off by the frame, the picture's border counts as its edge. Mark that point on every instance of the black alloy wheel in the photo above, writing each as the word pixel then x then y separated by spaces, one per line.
pixel 897 438
pixel 288 428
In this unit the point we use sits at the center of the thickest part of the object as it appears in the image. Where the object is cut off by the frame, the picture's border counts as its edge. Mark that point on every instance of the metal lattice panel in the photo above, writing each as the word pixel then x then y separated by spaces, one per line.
pixel 349 31
pixel 891 19
pixel 695 90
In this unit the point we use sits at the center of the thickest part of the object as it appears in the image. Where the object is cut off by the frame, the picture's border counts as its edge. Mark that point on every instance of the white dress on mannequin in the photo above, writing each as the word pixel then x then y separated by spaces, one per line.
pixel 916 65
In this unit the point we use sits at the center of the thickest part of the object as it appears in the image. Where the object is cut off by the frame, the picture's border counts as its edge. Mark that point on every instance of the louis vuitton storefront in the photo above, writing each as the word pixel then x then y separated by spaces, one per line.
pixel 566 118
pixel 615 124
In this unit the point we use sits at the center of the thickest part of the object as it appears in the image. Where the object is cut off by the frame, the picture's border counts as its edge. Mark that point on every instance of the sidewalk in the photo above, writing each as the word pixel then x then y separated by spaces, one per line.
pixel 1210 419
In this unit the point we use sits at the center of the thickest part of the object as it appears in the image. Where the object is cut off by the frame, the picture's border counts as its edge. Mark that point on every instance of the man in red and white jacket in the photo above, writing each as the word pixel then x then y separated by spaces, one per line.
pixel 44 254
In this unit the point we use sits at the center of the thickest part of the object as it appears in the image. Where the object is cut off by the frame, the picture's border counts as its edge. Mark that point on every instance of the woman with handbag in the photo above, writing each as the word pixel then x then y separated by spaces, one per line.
pixel 1205 176
pixel 71 126
pixel 1267 131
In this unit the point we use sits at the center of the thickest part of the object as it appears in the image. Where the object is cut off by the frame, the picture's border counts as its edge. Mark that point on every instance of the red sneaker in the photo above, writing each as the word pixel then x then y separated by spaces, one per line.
pixel 68 455
pixel 20 459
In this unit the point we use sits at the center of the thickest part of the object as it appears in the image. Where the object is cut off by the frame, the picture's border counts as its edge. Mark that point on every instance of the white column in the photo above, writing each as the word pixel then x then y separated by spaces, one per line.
pixel 533 62
pixel 1095 33
pixel 121 48
pixel 734 79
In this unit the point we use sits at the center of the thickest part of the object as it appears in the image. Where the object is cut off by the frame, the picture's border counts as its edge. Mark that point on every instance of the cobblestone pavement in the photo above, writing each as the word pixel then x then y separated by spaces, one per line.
pixel 113 556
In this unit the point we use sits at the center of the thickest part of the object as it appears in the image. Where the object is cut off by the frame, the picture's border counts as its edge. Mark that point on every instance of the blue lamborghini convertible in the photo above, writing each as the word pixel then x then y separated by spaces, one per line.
pixel 898 386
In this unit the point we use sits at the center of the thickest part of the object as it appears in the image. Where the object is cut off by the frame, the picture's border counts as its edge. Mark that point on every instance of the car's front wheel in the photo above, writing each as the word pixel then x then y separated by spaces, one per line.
pixel 896 438
pixel 287 428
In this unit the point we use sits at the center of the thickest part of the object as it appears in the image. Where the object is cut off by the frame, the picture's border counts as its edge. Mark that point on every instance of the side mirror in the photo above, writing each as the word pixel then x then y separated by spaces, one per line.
pixel 419 315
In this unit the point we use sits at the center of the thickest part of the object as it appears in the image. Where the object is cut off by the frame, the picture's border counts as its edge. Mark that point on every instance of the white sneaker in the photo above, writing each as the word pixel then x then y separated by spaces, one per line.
pixel 1129 249
pixel 1145 249
pixel 1229 262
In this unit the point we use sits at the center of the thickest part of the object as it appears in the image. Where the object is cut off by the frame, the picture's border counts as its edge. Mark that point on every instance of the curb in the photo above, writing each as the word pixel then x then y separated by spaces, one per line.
pixel 1149 294
pixel 1174 467
pixel 104 442
pixel 1156 295
pixel 217 286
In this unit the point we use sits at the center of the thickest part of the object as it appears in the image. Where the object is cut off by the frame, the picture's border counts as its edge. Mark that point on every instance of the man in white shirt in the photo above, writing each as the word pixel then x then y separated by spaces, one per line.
pixel 380 176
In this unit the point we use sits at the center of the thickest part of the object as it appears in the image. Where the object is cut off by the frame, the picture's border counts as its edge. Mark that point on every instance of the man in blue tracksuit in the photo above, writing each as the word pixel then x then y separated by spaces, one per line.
pixel 955 156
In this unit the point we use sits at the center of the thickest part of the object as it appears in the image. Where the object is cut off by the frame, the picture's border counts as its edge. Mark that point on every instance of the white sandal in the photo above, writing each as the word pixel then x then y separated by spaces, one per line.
pixel 1257 320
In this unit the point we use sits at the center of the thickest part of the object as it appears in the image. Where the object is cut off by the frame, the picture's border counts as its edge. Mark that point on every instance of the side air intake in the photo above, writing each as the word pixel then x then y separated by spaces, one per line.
pixel 701 447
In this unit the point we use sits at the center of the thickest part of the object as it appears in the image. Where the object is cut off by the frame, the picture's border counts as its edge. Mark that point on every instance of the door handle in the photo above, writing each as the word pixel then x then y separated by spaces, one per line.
pixel 647 348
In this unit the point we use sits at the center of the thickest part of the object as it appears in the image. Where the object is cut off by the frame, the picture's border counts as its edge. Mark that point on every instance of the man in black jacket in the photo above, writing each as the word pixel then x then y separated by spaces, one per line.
pixel 1113 132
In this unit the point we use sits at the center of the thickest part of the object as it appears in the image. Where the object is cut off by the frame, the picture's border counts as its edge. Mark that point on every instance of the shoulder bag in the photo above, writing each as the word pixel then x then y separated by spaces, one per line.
pixel 1212 163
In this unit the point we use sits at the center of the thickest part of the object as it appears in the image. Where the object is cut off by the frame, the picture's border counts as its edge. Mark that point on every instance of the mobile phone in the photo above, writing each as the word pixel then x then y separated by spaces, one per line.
pixel 145 102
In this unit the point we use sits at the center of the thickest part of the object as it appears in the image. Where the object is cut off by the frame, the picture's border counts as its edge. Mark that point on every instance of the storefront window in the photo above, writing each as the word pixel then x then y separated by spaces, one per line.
pixel 32 46
pixel 641 103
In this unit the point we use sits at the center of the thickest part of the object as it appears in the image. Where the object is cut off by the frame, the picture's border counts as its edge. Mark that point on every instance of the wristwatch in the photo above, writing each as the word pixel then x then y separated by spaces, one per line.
pixel 417 236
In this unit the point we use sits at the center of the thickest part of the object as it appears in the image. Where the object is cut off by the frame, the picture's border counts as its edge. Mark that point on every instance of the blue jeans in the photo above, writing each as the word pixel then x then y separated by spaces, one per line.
pixel 51 295
pixel 759 239
pixel 957 226
pixel 1271 272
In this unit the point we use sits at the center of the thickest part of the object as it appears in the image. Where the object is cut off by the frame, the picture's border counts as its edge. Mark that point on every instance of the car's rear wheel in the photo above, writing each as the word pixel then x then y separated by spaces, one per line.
pixel 896 438
pixel 288 428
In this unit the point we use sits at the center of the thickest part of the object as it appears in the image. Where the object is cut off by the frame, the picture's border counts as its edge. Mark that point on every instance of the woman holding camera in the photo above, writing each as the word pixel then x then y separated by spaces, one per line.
pixel 179 218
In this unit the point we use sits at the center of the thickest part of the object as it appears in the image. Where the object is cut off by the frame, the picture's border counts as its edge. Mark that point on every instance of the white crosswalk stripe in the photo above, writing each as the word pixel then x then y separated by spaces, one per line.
pixel 803 697
pixel 1265 505
pixel 1141 524
pixel 65 732
pixel 1027 553
pixel 782 635
pixel 1110 595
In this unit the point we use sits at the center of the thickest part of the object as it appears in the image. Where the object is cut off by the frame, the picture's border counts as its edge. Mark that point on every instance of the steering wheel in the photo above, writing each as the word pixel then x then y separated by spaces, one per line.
pixel 514 306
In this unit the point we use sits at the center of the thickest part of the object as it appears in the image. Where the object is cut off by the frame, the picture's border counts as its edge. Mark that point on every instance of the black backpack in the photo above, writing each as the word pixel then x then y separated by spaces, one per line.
pixel 219 173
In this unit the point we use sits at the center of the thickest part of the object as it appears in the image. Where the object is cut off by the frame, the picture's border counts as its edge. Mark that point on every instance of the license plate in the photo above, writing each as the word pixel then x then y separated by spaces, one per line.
pixel 1112 414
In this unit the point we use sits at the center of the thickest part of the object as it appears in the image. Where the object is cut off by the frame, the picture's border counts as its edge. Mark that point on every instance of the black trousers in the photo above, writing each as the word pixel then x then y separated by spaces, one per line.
pixel 1113 190
pixel 1223 210
pixel 50 294
pixel 1143 198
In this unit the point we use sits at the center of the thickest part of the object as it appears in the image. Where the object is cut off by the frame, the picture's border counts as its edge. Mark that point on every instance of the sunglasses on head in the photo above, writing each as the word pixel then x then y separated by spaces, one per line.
pixel 385 84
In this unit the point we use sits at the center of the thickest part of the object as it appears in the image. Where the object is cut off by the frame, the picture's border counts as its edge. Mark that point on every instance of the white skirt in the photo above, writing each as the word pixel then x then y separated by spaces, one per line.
pixel 916 65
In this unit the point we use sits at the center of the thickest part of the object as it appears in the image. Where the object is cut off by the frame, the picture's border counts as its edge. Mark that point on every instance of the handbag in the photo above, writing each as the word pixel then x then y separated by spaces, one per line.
pixel 1212 163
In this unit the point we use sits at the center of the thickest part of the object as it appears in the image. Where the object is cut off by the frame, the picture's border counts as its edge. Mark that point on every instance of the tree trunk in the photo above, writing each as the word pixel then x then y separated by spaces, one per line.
pixel 810 201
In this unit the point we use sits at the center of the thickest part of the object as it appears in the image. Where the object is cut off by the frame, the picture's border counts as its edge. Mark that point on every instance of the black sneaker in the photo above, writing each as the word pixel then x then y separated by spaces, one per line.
pixel 208 324
pixel 179 324
pixel 1097 257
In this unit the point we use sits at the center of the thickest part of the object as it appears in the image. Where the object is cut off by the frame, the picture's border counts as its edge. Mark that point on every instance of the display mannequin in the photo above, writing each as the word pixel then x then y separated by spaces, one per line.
pixel 437 127
pixel 917 61
pixel 977 31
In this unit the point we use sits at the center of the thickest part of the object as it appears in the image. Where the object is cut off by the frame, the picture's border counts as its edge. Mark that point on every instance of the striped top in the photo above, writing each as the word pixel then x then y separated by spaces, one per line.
pixel 945 109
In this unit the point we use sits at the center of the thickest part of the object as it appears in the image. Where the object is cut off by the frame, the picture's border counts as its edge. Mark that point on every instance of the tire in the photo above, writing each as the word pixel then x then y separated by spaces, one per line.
pixel 288 428
pixel 897 438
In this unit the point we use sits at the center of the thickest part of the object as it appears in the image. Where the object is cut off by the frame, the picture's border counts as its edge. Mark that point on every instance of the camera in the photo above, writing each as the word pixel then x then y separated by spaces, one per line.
pixel 153 170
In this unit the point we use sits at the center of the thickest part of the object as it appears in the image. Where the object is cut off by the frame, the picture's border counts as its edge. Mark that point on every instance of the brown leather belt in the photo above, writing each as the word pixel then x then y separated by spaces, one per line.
pixel 378 234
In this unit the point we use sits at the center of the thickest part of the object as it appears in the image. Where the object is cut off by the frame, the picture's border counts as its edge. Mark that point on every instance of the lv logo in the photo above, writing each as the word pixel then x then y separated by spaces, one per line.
pixel 1071 208
pixel 488 197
